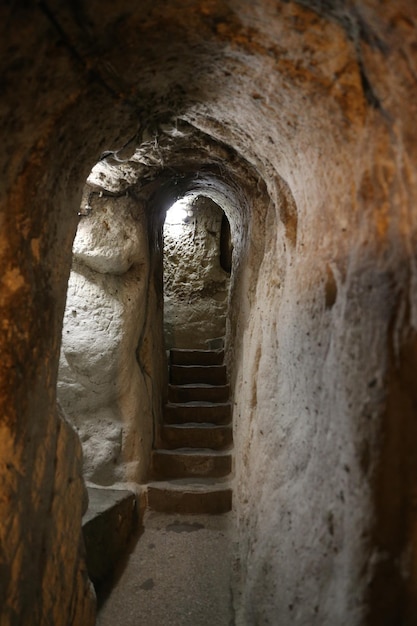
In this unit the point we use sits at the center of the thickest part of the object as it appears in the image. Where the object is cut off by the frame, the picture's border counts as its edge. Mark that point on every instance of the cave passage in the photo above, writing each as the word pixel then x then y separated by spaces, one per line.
pixel 298 119
pixel 190 457
pixel 196 286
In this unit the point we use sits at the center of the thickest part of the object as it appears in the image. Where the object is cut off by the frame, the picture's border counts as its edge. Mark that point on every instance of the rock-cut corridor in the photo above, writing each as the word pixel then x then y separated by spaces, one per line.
pixel 179 573
pixel 286 130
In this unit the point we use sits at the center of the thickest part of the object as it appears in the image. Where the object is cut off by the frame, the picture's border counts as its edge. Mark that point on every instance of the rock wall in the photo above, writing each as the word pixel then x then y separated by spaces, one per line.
pixel 103 387
pixel 318 100
pixel 195 286
pixel 324 516
pixel 43 573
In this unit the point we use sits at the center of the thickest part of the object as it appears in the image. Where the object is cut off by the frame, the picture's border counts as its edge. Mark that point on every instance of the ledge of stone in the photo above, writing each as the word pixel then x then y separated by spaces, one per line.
pixel 110 520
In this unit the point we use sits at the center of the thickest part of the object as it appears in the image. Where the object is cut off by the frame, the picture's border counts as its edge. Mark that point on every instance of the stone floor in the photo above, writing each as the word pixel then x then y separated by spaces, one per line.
pixel 177 574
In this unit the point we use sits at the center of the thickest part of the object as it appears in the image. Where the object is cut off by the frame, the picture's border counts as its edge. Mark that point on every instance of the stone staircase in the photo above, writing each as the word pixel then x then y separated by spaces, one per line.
pixel 192 461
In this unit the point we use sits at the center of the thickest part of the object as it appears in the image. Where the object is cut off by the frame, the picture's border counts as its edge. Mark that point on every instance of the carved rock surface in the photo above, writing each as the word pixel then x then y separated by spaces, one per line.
pixel 102 387
pixel 299 119
pixel 195 286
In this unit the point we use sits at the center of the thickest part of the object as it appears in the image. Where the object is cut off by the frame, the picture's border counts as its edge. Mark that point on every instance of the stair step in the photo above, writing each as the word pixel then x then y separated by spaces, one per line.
pixel 185 462
pixel 198 393
pixel 196 357
pixel 190 497
pixel 192 457
pixel 190 435
pixel 207 412
pixel 189 374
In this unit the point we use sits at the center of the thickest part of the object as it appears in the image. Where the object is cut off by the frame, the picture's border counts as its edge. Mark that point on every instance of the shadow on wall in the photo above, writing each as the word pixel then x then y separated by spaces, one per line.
pixel 197 266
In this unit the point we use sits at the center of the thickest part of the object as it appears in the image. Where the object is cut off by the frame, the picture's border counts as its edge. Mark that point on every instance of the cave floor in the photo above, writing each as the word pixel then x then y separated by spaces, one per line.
pixel 177 574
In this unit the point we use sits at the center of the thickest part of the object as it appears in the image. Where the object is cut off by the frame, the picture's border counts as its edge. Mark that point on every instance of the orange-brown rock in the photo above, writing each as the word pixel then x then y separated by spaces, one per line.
pixel 298 119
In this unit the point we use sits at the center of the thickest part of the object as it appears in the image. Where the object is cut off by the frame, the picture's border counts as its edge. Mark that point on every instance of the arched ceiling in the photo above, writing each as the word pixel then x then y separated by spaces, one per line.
pixel 266 78
pixel 176 161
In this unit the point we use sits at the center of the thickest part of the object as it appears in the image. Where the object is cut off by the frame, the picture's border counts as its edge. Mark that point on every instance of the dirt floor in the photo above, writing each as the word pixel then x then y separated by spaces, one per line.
pixel 177 574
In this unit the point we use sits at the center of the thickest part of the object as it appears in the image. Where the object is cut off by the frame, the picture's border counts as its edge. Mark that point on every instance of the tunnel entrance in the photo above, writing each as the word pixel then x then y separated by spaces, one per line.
pixel 129 301
pixel 103 375
pixel 197 265
pixel 170 443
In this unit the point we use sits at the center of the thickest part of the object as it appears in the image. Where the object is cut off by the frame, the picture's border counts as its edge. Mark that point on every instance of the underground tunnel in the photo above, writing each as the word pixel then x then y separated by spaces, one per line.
pixel 107 380
pixel 297 119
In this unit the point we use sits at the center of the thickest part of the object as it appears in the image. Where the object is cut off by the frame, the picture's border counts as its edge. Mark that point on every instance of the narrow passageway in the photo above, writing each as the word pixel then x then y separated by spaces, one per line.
pixel 179 572
pixel 192 461
pixel 157 448
pixel 177 575
pixel 296 122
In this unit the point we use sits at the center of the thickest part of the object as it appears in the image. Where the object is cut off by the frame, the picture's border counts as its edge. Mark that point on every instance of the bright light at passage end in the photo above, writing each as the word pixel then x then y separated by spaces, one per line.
pixel 177 213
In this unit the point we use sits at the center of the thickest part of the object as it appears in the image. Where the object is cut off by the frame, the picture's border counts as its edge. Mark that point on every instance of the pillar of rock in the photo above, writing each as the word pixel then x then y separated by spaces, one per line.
pixel 102 386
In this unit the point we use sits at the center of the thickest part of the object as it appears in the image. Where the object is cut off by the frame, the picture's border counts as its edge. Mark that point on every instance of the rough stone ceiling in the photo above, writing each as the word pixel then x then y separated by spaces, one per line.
pixel 206 62
pixel 182 86
pixel 177 151
pixel 177 161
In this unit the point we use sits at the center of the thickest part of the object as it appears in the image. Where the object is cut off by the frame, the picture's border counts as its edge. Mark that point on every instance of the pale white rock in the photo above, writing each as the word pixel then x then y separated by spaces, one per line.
pixel 108 240
pixel 114 176
pixel 101 386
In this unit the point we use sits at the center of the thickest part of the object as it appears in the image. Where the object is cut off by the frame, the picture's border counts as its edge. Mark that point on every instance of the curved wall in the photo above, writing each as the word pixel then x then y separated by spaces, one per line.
pixel 323 306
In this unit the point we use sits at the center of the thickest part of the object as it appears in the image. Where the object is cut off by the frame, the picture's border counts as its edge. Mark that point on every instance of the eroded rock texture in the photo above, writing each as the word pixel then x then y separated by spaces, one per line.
pixel 195 285
pixel 298 118
pixel 102 386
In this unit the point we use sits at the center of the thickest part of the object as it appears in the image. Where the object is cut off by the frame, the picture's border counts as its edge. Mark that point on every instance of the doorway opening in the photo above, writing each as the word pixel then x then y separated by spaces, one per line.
pixel 197 267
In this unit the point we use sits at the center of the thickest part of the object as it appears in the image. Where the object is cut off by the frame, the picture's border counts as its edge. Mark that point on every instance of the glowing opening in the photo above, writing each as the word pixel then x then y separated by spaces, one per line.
pixel 178 212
